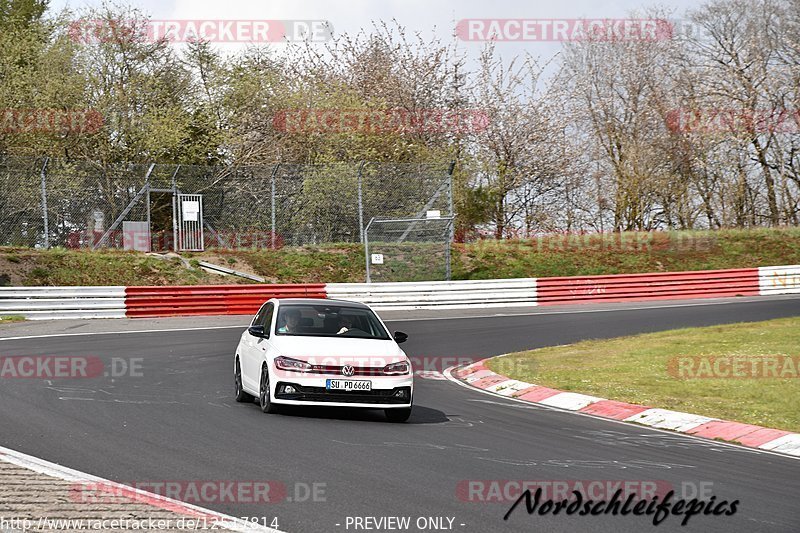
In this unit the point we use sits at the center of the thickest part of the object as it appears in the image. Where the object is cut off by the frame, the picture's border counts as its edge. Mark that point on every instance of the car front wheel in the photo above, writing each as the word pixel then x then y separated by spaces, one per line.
pixel 241 395
pixel 263 393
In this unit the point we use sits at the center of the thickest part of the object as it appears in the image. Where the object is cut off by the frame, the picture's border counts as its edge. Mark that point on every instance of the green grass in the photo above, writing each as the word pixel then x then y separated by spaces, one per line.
pixel 636 369
pixel 109 267
pixel 627 253
pixel 337 263
pixel 12 318
pixel 548 256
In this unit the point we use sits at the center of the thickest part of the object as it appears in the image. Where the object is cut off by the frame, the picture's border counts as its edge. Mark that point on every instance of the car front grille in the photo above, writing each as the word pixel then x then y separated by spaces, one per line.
pixel 337 370
pixel 321 394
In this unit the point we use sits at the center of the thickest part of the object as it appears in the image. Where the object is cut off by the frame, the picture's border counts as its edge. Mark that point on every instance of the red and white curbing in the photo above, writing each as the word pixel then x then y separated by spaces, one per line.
pixel 479 376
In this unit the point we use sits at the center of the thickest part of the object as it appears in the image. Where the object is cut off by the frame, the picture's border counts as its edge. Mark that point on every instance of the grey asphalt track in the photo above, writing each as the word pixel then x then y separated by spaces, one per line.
pixel 177 421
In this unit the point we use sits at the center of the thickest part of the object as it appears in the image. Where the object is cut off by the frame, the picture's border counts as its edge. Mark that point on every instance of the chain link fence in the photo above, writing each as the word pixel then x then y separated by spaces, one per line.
pixel 410 249
pixel 46 203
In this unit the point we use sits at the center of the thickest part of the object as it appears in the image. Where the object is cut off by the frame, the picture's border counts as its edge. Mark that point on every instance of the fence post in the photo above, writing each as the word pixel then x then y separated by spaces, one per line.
pixel 174 185
pixel 272 206
pixel 451 229
pixel 44 204
pixel 149 219
pixel 450 187
pixel 360 204
pixel 366 250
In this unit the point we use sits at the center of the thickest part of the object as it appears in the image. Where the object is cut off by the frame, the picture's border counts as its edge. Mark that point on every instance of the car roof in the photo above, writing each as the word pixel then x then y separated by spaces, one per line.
pixel 321 301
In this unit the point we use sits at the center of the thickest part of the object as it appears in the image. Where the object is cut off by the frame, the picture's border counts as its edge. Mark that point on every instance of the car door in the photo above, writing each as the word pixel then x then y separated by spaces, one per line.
pixel 247 349
pixel 256 348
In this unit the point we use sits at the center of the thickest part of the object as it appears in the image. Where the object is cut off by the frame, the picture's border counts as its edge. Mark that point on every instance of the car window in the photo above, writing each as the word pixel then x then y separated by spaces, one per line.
pixel 329 320
pixel 259 318
pixel 266 320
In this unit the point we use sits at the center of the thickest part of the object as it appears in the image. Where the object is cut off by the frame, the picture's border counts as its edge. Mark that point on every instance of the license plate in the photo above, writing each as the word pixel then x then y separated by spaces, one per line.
pixel 348 385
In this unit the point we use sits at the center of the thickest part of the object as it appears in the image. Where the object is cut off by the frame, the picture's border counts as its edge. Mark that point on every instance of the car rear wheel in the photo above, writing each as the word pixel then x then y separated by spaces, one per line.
pixel 398 415
pixel 241 395
pixel 263 393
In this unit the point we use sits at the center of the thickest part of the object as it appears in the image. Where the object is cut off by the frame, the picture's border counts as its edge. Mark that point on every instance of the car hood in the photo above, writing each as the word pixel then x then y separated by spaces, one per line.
pixel 342 350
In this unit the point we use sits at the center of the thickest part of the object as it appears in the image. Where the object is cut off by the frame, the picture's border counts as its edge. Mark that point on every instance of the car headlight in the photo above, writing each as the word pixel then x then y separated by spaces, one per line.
pixel 397 369
pixel 295 365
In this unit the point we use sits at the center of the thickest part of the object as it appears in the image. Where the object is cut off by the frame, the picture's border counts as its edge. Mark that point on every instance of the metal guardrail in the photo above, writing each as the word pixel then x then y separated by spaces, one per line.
pixel 651 286
pixel 41 303
pixel 117 302
pixel 211 299
pixel 439 294
pixel 779 280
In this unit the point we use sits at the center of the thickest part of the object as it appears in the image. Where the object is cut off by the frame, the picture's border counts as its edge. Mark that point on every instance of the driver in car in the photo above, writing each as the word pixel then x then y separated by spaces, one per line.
pixel 292 322
pixel 345 324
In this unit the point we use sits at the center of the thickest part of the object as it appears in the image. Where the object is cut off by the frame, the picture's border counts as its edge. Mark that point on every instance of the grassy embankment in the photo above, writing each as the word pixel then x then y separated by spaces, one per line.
pixel 547 256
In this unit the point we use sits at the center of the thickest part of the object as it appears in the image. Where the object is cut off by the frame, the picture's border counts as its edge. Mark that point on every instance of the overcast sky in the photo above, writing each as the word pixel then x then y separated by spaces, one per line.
pixel 426 16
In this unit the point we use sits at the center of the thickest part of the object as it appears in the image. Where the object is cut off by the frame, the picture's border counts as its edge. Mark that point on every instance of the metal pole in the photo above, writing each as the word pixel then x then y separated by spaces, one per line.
pixel 366 249
pixel 44 203
pixel 450 187
pixel 149 238
pixel 272 203
pixel 175 207
pixel 451 226
pixel 173 181
pixel 447 251
pixel 360 204
pixel 200 224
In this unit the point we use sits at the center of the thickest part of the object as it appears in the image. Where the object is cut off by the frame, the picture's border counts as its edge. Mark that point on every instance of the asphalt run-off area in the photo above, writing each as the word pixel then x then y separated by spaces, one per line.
pixel 163 411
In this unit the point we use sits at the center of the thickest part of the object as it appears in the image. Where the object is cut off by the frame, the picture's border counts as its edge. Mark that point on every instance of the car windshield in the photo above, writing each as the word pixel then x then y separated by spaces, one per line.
pixel 326 320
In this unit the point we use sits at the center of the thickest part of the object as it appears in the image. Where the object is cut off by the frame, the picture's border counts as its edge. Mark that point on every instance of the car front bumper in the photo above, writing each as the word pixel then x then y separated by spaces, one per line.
pixel 385 393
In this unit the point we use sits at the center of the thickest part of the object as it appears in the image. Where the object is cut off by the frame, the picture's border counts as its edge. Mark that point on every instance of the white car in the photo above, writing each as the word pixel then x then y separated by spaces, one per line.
pixel 301 351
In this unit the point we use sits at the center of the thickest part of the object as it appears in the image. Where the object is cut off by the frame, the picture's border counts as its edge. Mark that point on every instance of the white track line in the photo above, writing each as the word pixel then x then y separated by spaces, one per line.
pixel 580 311
pixel 116 332
pixel 448 374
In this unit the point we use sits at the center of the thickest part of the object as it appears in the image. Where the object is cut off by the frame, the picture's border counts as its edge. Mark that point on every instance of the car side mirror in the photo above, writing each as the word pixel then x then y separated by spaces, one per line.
pixel 400 337
pixel 257 331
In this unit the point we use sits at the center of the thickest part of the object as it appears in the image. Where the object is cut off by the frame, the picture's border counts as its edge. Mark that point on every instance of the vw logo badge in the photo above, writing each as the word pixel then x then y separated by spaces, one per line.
pixel 348 370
